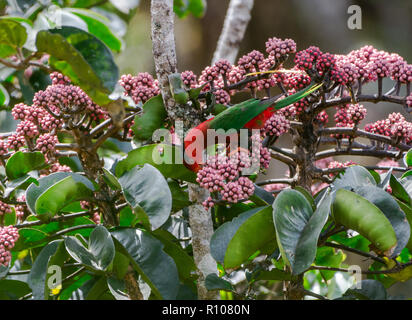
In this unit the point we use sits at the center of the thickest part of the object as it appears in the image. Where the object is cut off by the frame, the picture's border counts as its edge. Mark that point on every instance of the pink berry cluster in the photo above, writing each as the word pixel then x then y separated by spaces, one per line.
pixel 189 79
pixel 221 176
pixel 260 156
pixel 339 165
pixel 46 143
pixel 58 78
pixel 21 208
pixel 8 237
pixel 279 49
pixel 276 125
pixel 386 163
pixel 141 87
pixel 322 118
pixel 394 126
pixel 4 208
pixel 349 115
pixel 41 121
pixel 356 113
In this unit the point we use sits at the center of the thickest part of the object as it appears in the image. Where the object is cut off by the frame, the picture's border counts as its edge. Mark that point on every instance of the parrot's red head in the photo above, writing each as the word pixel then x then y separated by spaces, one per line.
pixel 194 144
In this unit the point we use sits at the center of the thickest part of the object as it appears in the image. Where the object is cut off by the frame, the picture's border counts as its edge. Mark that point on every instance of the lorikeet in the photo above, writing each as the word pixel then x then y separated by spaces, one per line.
pixel 250 114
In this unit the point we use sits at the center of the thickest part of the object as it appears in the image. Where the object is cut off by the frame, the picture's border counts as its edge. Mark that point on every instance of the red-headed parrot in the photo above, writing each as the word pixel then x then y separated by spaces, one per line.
pixel 250 114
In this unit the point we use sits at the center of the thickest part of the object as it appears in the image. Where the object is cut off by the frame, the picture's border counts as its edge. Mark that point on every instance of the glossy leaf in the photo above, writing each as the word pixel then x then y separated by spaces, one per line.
pixel 52 254
pixel 153 117
pixel 184 263
pixel 117 288
pixel 354 176
pixel 72 188
pixel 90 62
pixel 391 210
pixel 408 212
pixel 21 163
pixel 146 253
pixel 213 282
pixel 274 274
pixel 100 252
pixel 235 241
pixel 398 190
pixel 97 26
pixel 146 188
pixel 180 197
pixel 30 238
pixel 165 158
pixel 34 191
pixel 12 33
pixel 356 213
pixel 298 227
pixel 408 158
pixel 370 290
pixel 13 289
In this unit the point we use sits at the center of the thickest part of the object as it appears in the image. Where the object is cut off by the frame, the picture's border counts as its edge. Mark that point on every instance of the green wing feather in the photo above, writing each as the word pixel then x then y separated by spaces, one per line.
pixel 238 115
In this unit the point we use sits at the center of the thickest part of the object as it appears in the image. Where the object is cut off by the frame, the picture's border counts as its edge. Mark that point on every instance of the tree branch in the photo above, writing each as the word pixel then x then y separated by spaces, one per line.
pixel 164 51
pixel 200 221
pixel 234 27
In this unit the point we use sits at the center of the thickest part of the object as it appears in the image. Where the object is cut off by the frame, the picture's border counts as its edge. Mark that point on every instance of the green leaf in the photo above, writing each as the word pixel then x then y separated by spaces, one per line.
pixel 117 288
pixel 97 26
pixel 100 252
pixel 146 253
pixel 86 56
pixel 13 289
pixel 30 238
pixel 406 174
pixel 408 212
pixel 184 263
pixel 213 282
pixel 235 241
pixel 355 176
pixel 147 188
pixel 4 96
pixel 197 7
pixel 12 33
pixel 34 191
pixel 19 183
pixel 183 7
pixel 262 197
pixel 72 188
pixel 329 257
pixel 274 274
pixel 153 117
pixel 387 204
pixel 407 159
pixel 298 227
pixel 10 218
pixel 357 213
pixel 357 242
pixel 55 226
pixel 73 290
pixel 180 197
pixel 398 190
pixel 21 163
pixel 52 254
pixel 111 180
pixel 179 94
pixel 370 290
pixel 307 195
pixel 165 158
